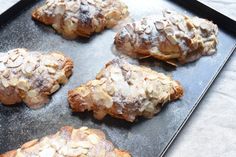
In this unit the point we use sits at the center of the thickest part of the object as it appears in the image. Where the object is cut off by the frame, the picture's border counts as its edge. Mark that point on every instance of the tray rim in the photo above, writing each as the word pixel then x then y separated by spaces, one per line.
pixel 10 13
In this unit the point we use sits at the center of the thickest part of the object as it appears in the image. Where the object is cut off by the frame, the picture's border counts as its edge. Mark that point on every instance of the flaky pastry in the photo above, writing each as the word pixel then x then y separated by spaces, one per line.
pixel 31 76
pixel 125 91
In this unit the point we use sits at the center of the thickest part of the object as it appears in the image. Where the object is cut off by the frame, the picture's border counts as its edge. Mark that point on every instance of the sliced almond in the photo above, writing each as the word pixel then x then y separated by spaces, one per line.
pixel 84 92
pixel 182 26
pixel 61 77
pixel 172 39
pixel 51 70
pixel 32 93
pixel 16 63
pixel 6 73
pixel 29 68
pixel 148 30
pixel 60 9
pixel 159 25
pixel 190 25
pixel 83 128
pixel 55 88
pixel 169 31
pixel 129 29
pixel 5 82
pixel 2 67
pixel 23 85
pixel 103 98
pixel 173 19
pixel 75 20
pixel 13 81
pixel 14 56
pixel 205 26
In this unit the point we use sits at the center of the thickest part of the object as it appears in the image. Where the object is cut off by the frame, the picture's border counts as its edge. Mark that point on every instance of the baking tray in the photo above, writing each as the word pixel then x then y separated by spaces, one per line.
pixel 144 138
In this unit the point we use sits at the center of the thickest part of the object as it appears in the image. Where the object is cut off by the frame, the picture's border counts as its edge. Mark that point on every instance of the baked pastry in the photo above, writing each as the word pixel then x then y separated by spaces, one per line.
pixel 80 17
pixel 125 91
pixel 171 37
pixel 69 142
pixel 31 76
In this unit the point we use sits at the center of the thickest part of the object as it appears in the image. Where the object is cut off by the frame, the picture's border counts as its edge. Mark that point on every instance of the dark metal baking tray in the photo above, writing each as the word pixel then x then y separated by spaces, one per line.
pixel 144 138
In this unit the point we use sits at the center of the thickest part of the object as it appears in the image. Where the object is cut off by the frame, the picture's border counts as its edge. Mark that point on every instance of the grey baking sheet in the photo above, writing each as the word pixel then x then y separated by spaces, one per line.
pixel 144 138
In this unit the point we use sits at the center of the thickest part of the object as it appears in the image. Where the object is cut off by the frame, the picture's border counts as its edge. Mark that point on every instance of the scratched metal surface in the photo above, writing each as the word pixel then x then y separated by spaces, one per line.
pixel 144 138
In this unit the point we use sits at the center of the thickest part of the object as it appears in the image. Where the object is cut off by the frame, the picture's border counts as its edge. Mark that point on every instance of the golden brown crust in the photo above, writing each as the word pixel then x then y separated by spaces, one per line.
pixel 125 91
pixel 82 142
pixel 31 76
pixel 171 37
pixel 80 17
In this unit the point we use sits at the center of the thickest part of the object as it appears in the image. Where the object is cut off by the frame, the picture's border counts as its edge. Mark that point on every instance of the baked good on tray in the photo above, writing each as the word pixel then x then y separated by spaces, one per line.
pixel 80 17
pixel 125 91
pixel 170 37
pixel 31 76
pixel 69 142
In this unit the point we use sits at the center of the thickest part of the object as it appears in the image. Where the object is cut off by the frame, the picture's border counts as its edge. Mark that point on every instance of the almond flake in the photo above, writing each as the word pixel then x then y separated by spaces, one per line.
pixel 23 85
pixel 159 25
pixel 6 73
pixel 51 70
pixel 13 81
pixel 55 88
pixel 32 93
pixel 171 39
pixel 5 82
pixel 16 63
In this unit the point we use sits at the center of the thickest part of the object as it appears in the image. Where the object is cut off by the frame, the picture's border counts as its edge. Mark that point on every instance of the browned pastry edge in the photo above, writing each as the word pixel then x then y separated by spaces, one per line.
pixel 66 133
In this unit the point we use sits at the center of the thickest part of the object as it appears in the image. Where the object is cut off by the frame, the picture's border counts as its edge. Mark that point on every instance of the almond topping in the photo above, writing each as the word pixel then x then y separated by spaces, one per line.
pixel 23 85
pixel 171 39
pixel 32 93
pixel 169 31
pixel 5 82
pixel 6 73
pixel 13 81
pixel 51 70
pixel 16 63
pixel 55 88
pixel 159 25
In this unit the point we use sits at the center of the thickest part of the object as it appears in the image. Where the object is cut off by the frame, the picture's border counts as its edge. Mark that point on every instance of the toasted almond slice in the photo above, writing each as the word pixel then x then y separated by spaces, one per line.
pixel 55 88
pixel 5 82
pixel 6 73
pixel 23 84
pixel 159 25
pixel 13 81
